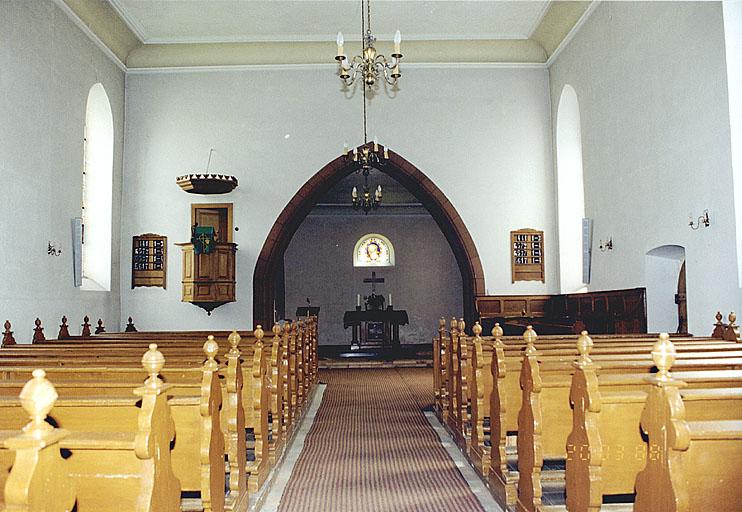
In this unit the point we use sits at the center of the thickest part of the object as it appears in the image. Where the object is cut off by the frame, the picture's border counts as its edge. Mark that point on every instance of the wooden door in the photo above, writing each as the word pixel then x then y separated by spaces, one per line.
pixel 216 215
pixel 682 301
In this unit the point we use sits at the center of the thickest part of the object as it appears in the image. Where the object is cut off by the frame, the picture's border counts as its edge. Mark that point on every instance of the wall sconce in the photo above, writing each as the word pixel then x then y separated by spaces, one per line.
pixel 606 245
pixel 702 220
pixel 52 250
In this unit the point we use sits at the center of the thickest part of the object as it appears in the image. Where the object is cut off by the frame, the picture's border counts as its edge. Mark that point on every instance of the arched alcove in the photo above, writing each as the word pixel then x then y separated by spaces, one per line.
pixel 448 220
pixel 97 191
pixel 663 268
pixel 570 191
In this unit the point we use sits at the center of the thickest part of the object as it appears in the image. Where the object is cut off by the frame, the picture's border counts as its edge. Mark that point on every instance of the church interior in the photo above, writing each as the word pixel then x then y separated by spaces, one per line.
pixel 371 255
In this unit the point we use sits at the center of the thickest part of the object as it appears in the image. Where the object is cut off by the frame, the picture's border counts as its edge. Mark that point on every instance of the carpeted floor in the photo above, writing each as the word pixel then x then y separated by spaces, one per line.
pixel 371 449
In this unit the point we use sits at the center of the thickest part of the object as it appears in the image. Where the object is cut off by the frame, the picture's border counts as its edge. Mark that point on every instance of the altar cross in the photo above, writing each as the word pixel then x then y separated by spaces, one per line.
pixel 373 280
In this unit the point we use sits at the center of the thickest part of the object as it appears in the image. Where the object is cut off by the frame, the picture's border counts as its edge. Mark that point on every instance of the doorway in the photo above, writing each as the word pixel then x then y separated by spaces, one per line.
pixel 667 306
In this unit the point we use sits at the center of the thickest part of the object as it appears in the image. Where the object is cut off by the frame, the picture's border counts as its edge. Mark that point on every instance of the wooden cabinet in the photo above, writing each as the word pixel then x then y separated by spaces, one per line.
pixel 149 260
pixel 527 255
pixel 209 279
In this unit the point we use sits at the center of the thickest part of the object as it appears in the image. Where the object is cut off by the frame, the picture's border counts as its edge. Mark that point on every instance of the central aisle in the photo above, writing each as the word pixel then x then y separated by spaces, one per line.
pixel 372 449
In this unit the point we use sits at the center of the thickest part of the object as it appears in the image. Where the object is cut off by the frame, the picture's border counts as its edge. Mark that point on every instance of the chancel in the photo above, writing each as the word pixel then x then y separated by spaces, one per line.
pixel 375 326
pixel 525 217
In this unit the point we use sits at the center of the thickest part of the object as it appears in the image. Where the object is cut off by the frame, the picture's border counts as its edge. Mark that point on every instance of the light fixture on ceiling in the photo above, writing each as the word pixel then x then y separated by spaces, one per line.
pixel 370 65
pixel 369 155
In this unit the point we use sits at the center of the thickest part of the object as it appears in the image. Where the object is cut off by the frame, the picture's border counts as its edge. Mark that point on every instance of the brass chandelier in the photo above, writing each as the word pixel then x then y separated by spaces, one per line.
pixel 370 65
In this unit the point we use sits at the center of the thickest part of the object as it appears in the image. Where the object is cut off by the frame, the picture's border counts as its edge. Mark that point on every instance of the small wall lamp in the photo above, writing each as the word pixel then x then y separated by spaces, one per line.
pixel 606 245
pixel 702 220
pixel 52 250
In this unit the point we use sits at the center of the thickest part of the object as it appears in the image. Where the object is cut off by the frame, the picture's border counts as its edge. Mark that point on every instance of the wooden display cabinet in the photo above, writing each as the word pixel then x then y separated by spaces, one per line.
pixel 209 279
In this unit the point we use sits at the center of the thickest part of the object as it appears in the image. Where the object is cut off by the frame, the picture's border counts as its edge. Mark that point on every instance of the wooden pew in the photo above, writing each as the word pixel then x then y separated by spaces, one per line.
pixel 502 481
pixel 691 465
pixel 268 443
pixel 440 356
pixel 33 474
pixel 256 390
pixel 109 470
pixel 199 449
pixel 545 393
pixel 605 450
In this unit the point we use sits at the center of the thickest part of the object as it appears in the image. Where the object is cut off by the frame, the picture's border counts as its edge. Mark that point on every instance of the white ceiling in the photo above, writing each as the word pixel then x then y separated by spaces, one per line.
pixel 204 21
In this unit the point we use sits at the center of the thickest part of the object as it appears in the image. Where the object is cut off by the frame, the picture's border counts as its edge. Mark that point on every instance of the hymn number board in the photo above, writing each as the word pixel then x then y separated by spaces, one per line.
pixel 149 260
pixel 527 254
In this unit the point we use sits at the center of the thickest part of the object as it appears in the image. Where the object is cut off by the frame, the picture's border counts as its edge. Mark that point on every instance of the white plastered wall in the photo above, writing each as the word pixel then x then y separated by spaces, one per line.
pixel 481 134
pixel 651 81
pixel 48 66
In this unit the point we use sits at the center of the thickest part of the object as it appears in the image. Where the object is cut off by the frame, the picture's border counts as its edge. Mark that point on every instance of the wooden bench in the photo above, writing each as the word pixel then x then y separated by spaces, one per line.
pixel 542 434
pixel 626 348
pixel 605 449
pixel 255 391
pixel 691 465
pixel 266 396
pixel 196 406
pixel 105 471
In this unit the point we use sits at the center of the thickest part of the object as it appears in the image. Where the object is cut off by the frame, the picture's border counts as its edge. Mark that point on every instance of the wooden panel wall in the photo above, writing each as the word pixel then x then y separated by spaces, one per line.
pixel 605 312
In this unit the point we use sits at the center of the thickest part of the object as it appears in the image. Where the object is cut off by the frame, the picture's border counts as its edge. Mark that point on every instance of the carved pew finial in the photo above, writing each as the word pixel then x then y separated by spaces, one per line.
pixel 152 362
pixel 462 326
pixel 211 349
pixel 259 333
pixel 8 338
pixel 85 327
pixel 477 330
pixel 719 327
pixel 530 338
pixel 38 332
pixel 130 326
pixel 441 325
pixel 732 331
pixel 497 334
pixel 37 398
pixel 663 355
pixel 100 327
pixel 234 343
pixel 276 331
pixel 64 332
pixel 584 346
pixel 454 324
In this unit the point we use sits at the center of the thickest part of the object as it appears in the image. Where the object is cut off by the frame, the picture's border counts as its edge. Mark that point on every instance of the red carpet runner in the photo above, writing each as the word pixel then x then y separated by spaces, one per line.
pixel 371 449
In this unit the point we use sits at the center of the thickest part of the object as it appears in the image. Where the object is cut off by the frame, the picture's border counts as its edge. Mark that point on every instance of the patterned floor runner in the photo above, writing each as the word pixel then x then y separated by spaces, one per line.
pixel 371 449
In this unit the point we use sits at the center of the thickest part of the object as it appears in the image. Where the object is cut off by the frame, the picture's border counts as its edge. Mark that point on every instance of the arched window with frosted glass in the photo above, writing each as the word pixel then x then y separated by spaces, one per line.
pixel 570 191
pixel 97 193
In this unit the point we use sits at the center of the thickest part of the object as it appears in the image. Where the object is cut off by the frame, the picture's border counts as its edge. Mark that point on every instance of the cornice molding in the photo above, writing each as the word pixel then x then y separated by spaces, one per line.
pixel 101 19
pixel 329 67
pixel 120 37
pixel 573 32
pixel 73 16
pixel 287 53
pixel 558 22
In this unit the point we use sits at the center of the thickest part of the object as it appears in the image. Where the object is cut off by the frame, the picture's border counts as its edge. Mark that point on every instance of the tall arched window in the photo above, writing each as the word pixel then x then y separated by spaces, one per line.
pixel 570 191
pixel 97 191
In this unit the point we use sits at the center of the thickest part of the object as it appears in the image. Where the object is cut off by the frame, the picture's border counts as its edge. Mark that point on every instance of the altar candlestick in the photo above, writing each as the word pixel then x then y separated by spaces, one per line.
pixel 358 300
pixel 390 299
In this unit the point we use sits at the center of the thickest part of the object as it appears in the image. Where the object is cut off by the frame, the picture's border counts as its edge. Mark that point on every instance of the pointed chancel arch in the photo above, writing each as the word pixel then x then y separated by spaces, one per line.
pixel 271 256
